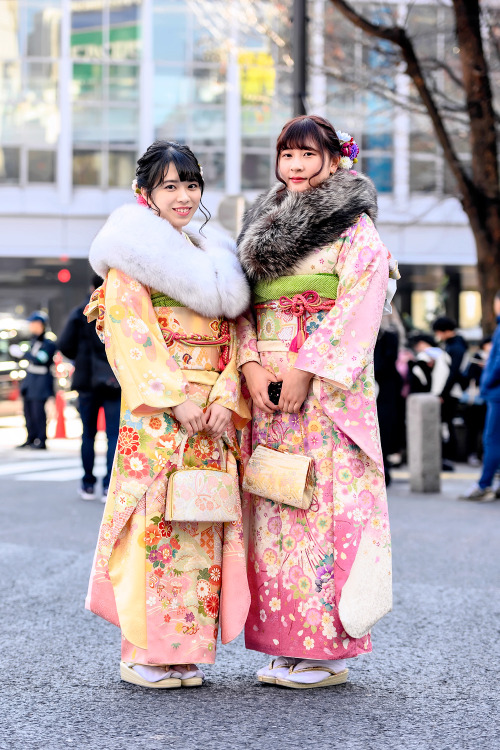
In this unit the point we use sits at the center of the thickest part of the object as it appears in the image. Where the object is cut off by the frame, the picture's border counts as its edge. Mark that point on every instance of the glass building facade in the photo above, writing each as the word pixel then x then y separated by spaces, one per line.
pixel 87 85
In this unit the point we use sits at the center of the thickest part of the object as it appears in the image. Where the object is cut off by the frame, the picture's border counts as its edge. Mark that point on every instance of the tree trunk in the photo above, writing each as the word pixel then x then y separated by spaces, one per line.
pixel 479 194
pixel 488 265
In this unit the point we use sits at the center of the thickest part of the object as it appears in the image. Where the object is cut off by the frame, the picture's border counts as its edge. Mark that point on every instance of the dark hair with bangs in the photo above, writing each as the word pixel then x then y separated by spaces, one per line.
pixel 303 132
pixel 154 164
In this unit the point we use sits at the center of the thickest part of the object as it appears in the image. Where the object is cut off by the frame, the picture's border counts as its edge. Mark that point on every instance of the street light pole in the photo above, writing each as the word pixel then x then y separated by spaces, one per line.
pixel 299 57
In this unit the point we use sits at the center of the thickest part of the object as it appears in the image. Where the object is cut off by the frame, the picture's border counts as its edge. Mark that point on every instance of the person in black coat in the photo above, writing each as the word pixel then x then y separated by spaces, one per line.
pixel 474 407
pixel 38 385
pixel 97 386
pixel 389 398
pixel 445 330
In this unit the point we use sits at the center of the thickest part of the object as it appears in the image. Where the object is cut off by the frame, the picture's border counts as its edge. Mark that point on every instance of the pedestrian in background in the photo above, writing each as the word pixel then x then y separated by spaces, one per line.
pixel 389 397
pixel 430 369
pixel 490 392
pixel 97 387
pixel 474 406
pixel 445 330
pixel 38 385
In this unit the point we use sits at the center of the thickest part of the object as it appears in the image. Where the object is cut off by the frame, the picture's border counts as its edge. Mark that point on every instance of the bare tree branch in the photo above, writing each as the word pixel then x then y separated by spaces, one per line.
pixel 398 36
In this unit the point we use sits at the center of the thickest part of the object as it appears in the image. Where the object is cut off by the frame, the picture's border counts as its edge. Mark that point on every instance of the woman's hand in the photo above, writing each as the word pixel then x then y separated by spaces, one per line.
pixel 294 390
pixel 191 417
pixel 258 379
pixel 217 419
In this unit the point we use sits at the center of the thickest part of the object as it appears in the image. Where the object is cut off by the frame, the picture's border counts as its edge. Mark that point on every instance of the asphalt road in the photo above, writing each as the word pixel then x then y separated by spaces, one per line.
pixel 431 682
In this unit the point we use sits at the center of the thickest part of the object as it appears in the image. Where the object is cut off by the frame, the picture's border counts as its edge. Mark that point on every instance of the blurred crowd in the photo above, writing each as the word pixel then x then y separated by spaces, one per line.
pixel 93 380
pixel 466 379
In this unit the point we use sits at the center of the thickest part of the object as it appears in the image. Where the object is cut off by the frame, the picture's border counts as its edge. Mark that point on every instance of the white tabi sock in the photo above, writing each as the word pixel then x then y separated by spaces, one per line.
pixel 280 667
pixel 185 671
pixel 318 675
pixel 150 673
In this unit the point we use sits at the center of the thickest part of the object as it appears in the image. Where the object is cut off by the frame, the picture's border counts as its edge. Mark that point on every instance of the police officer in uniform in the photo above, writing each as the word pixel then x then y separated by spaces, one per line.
pixel 38 385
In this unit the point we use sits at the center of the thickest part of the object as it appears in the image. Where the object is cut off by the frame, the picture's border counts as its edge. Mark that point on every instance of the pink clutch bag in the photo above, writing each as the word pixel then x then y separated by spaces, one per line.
pixel 202 494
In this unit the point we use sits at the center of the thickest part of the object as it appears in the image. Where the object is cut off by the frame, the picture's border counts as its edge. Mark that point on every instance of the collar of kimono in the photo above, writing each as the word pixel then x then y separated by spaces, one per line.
pixel 203 274
pixel 283 227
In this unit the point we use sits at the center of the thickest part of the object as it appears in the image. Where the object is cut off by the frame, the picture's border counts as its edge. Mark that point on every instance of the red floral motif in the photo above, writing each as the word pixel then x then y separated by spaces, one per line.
pixel 174 543
pixel 155 423
pixel 152 535
pixel 215 573
pixel 204 447
pixel 136 466
pixel 166 618
pixel 128 441
pixel 211 605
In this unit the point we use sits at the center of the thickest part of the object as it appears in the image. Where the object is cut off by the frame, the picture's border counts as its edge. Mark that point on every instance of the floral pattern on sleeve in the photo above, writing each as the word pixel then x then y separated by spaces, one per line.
pixel 129 327
pixel 342 346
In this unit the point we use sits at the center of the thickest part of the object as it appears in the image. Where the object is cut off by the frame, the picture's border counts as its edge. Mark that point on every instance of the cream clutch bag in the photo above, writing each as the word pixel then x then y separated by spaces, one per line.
pixel 202 494
pixel 282 477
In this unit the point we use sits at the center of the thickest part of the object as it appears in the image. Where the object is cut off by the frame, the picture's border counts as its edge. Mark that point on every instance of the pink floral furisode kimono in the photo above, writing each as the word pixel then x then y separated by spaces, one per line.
pixel 319 579
pixel 166 584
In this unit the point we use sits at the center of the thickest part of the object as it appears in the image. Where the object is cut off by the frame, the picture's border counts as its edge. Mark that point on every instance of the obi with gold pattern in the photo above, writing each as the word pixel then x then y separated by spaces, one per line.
pixel 195 342
pixel 290 308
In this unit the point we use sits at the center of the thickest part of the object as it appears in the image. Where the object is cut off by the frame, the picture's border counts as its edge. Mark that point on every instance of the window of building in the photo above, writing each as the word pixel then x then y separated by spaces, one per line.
pixel 10 165
pixel 41 166
pixel 105 91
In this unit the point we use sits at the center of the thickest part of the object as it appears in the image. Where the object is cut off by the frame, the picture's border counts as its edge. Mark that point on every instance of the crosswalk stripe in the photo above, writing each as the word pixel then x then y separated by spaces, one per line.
pixel 28 466
pixel 47 469
pixel 64 475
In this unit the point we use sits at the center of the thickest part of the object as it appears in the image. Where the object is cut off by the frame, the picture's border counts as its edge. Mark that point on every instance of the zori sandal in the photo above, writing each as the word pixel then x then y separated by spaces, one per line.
pixel 301 677
pixel 277 668
pixel 128 673
pixel 188 674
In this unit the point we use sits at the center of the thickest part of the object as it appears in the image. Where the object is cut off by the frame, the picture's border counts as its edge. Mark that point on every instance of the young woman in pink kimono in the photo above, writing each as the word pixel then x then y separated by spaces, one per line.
pixel 165 314
pixel 319 579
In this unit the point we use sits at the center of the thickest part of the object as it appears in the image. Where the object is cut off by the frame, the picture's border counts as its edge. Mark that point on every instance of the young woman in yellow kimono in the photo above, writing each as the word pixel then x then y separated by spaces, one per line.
pixel 165 314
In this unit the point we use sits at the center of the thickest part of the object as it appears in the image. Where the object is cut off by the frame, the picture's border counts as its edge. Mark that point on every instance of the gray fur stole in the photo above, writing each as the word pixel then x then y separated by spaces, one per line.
pixel 283 227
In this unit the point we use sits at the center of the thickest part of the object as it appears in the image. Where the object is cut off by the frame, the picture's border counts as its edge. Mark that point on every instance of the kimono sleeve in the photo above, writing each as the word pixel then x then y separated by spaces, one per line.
pixel 342 346
pixel 227 389
pixel 246 336
pixel 149 377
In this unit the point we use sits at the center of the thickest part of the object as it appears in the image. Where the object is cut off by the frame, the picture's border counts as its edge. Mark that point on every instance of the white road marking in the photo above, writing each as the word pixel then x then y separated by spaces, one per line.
pixel 30 464
pixel 44 469
pixel 65 475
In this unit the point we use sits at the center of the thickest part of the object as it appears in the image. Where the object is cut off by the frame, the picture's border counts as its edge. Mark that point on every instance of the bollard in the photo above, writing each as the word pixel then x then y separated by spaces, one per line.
pixel 423 429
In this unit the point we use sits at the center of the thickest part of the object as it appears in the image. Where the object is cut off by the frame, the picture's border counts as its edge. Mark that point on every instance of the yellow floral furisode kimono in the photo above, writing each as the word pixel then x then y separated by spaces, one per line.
pixel 163 314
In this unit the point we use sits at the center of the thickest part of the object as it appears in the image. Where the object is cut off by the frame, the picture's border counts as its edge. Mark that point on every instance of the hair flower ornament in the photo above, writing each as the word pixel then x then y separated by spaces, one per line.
pixel 349 149
pixel 138 195
pixel 200 168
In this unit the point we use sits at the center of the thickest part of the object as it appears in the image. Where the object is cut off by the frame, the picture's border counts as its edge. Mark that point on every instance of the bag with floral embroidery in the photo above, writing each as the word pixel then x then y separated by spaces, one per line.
pixel 282 477
pixel 198 495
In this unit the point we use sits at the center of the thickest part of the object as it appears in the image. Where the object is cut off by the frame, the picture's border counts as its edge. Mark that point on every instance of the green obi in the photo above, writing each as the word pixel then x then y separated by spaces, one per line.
pixel 161 300
pixel 325 284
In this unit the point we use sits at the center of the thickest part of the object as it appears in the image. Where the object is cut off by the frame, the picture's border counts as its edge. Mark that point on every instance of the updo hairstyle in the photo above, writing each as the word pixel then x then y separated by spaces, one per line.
pixel 154 164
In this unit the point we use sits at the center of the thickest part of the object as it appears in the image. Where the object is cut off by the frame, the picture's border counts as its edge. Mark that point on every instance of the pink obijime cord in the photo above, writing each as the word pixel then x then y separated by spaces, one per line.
pixel 300 305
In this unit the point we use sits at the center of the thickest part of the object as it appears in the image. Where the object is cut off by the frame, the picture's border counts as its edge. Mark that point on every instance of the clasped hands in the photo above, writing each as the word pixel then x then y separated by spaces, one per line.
pixel 293 392
pixel 214 421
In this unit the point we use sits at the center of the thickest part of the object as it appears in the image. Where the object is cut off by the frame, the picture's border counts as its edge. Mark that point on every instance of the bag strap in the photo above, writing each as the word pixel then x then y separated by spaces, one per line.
pixel 182 452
